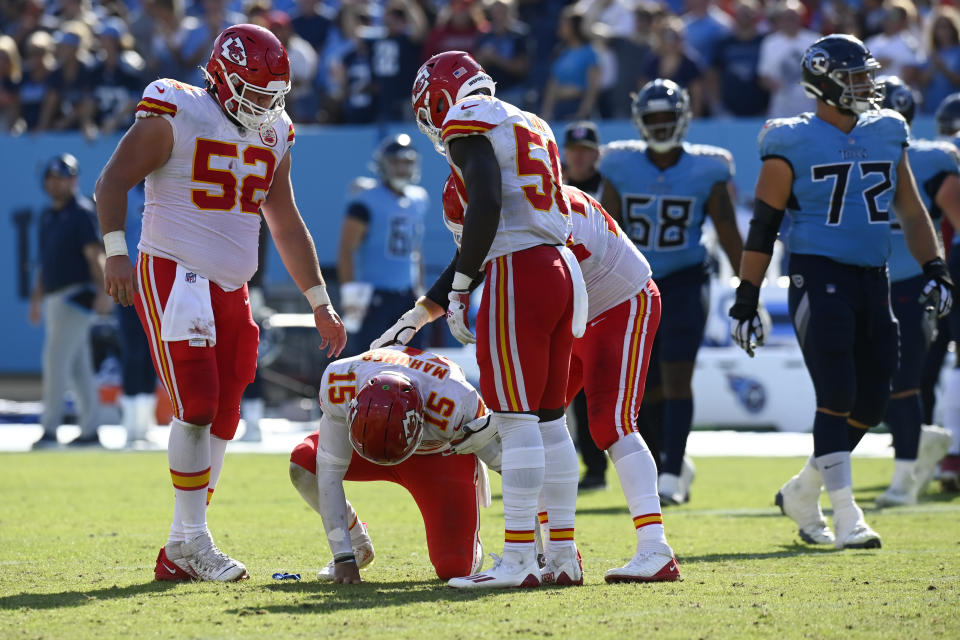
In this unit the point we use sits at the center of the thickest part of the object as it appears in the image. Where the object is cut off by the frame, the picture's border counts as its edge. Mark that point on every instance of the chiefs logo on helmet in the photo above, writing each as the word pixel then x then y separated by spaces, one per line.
pixel 233 50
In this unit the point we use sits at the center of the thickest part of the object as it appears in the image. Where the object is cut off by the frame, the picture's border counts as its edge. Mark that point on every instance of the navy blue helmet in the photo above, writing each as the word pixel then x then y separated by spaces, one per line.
pixel 841 71
pixel 64 165
pixel 948 115
pixel 656 97
pixel 897 95
pixel 397 162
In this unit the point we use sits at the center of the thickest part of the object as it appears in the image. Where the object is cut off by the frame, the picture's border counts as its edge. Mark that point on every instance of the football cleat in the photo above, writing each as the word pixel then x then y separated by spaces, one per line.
pixel 563 567
pixel 649 565
pixel 950 474
pixel 803 507
pixel 897 497
pixel 853 532
pixel 210 564
pixel 512 570
pixel 362 550
pixel 171 566
pixel 934 444
pixel 669 490
pixel 687 473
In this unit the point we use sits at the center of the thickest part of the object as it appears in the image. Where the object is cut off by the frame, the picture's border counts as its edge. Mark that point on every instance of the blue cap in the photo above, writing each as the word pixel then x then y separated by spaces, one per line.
pixel 64 165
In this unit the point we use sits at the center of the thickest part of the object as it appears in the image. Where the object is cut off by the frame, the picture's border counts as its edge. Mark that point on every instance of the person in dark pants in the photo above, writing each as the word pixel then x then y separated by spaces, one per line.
pixel 379 262
pixel 69 287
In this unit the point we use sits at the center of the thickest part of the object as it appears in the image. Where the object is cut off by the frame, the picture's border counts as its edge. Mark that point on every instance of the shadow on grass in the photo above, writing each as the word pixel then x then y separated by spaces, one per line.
pixel 786 551
pixel 78 598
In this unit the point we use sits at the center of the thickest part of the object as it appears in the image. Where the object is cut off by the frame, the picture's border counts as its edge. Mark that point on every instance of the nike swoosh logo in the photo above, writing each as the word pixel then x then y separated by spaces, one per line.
pixel 471 106
pixel 831 466
pixel 596 322
pixel 172 571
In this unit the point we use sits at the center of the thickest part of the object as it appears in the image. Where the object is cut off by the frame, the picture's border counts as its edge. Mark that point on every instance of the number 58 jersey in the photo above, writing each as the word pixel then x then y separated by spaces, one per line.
pixel 202 205
pixel 843 183
pixel 449 401
pixel 534 210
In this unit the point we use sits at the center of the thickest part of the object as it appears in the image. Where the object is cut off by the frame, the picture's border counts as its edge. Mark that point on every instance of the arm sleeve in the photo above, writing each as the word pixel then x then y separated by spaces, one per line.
pixel 333 458
pixel 359 211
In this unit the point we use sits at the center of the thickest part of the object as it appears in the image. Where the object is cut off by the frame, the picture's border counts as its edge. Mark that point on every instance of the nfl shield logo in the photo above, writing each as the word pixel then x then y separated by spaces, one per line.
pixel 191 278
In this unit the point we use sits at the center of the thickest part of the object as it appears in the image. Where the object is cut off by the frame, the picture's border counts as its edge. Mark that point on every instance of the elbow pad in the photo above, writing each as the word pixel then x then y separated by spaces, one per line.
pixel 764 227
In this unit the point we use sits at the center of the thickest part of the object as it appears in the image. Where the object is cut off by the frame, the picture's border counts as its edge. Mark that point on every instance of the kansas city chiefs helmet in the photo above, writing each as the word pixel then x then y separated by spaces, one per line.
pixel 385 419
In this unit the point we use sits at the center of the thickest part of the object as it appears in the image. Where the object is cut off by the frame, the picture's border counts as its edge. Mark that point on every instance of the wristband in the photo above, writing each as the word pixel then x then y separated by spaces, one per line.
pixel 317 296
pixel 935 268
pixel 344 558
pixel 748 293
pixel 461 281
pixel 115 243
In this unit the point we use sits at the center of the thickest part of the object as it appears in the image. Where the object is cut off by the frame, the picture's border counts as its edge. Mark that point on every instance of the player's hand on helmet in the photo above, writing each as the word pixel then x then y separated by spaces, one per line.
pixel 938 291
pixel 330 327
pixel 346 573
pixel 474 436
pixel 457 316
pixel 405 328
pixel 751 323
pixel 119 280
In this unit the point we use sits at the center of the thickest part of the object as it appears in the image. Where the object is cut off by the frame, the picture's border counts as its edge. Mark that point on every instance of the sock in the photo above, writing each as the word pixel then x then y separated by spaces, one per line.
pixel 677 418
pixel 902 474
pixel 855 433
pixel 842 501
pixel 218 449
pixel 522 477
pixel 638 479
pixel 951 408
pixel 829 435
pixel 836 470
pixel 809 476
pixel 128 411
pixel 188 453
pixel 904 417
pixel 561 473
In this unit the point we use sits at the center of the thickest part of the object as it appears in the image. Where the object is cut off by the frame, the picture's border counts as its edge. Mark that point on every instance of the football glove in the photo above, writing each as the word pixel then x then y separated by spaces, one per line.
pixel 355 299
pixel 403 329
pixel 751 321
pixel 457 316
pixel 938 292
pixel 475 435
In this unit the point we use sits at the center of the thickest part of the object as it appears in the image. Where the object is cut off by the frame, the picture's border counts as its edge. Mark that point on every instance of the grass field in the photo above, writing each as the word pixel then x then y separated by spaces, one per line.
pixel 79 532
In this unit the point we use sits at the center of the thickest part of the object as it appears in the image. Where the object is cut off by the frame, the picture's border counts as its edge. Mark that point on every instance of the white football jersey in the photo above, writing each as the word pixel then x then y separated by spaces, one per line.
pixel 202 205
pixel 449 401
pixel 613 268
pixel 534 210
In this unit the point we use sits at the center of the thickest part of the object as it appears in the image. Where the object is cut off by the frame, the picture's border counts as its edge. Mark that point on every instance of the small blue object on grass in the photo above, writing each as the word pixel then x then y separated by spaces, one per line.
pixel 286 576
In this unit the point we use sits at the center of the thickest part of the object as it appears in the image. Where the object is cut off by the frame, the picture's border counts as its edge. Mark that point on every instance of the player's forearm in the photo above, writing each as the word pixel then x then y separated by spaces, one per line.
pixel 345 266
pixel 753 266
pixel 434 309
pixel 921 238
pixel 111 198
pixel 299 255
pixel 479 229
pixel 332 504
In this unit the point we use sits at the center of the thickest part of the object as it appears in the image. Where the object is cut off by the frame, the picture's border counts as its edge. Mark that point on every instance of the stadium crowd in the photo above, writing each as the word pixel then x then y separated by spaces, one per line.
pixel 82 64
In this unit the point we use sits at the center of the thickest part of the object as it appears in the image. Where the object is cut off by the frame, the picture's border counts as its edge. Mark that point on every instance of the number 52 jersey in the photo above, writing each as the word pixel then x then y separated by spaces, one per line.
pixel 202 206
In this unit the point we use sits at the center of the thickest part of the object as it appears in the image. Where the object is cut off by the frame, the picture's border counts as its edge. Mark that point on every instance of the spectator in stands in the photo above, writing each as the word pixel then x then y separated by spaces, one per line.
pixel 618 16
pixel 396 58
pixel 352 80
pixel 313 21
pixel 940 76
pixel 68 104
pixel 780 56
pixel 671 60
pixel 631 53
pixel 196 37
pixel 459 24
pixel 574 83
pixel 871 17
pixel 301 101
pixel 897 49
pixel 11 74
pixel 542 16
pixel 117 78
pixel 77 11
pixel 733 83
pixel 705 25
pixel 504 51
pixel 38 64
pixel 69 287
pixel 26 17
pixel 156 30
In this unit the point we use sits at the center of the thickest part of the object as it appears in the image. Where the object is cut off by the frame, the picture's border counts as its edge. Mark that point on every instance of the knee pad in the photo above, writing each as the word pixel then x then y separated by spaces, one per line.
pixel 225 423
pixel 305 454
pixel 627 444
pixel 199 409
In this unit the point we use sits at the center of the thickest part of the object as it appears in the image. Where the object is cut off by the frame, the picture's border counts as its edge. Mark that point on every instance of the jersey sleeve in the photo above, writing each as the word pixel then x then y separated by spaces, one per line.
pixel 896 127
pixel 474 115
pixel 160 98
pixel 718 162
pixel 775 138
pixel 329 396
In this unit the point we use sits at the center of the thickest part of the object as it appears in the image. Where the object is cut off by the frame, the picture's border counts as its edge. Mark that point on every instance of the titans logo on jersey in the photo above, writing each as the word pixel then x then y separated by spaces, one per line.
pixel 663 209
pixel 843 183
pixel 931 161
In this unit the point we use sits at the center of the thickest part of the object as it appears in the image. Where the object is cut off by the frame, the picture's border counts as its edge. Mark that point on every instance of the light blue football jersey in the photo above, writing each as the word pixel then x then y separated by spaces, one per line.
pixel 843 183
pixel 663 210
pixel 389 256
pixel 931 161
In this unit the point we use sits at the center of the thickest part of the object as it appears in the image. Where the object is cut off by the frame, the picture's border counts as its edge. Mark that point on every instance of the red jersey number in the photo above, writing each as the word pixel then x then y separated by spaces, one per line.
pixel 250 188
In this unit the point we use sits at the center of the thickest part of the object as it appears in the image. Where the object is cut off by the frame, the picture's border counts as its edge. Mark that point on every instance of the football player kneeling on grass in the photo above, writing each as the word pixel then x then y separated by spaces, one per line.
pixel 396 414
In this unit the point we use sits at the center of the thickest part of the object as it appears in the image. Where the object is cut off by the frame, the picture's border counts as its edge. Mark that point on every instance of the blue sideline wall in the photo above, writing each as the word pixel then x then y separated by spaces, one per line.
pixel 325 161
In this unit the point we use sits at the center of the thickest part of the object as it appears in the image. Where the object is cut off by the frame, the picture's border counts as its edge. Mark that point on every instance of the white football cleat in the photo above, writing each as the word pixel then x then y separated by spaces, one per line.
pixel 934 443
pixel 897 497
pixel 563 567
pixel 653 564
pixel 669 490
pixel 803 507
pixel 512 570
pixel 209 563
pixel 362 550
pixel 853 532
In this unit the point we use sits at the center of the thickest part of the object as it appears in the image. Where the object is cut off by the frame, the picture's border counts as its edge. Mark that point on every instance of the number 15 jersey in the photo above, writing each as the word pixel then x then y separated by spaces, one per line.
pixel 202 205
pixel 534 210
pixel 843 183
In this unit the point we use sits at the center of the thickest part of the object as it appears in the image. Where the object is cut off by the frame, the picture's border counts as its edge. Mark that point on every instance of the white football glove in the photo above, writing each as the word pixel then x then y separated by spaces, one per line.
pixel 475 435
pixel 403 329
pixel 355 299
pixel 457 316
pixel 938 291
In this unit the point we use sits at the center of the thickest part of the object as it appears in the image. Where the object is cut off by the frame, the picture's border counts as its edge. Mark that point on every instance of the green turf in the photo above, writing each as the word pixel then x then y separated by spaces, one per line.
pixel 79 532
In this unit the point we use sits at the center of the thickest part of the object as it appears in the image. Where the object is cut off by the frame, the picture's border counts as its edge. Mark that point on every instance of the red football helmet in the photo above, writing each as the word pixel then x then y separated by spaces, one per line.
pixel 249 73
pixel 386 419
pixel 442 81
pixel 454 200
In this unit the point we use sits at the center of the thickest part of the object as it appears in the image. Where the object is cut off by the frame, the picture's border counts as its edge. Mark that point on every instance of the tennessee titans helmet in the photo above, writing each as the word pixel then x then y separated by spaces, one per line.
pixel 948 115
pixel 658 97
pixel 397 162
pixel 841 71
pixel 897 95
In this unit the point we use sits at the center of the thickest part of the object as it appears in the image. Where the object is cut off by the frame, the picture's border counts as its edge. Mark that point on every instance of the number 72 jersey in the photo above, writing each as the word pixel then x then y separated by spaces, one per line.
pixel 843 183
